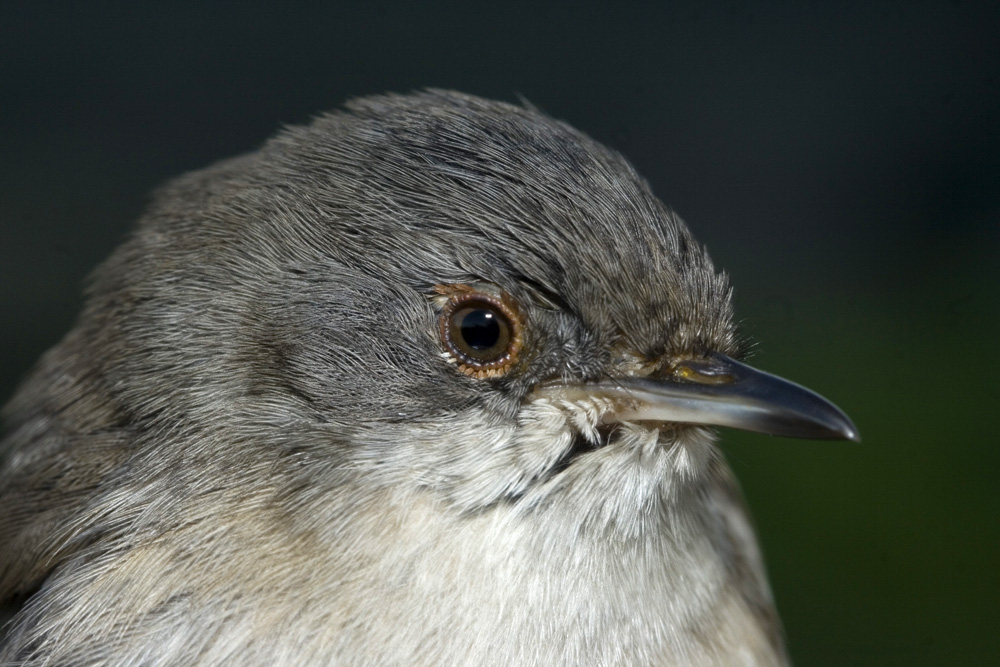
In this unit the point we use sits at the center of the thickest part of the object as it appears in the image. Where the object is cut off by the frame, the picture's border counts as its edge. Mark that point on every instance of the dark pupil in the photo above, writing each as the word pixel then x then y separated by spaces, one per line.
pixel 480 329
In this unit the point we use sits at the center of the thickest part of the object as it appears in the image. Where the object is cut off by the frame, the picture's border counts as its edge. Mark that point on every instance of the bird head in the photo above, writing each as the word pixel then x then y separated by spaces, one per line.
pixel 435 291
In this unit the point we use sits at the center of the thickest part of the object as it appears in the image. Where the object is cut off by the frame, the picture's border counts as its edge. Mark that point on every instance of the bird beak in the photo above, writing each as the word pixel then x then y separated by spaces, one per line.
pixel 721 391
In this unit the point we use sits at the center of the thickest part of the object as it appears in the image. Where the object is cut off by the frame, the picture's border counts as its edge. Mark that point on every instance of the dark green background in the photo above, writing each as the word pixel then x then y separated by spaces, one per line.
pixel 841 161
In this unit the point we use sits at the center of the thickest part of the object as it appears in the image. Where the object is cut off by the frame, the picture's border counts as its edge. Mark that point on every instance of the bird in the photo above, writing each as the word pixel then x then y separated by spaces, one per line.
pixel 429 380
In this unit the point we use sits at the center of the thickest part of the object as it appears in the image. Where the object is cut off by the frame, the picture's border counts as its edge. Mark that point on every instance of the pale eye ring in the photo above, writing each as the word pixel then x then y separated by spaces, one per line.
pixel 482 333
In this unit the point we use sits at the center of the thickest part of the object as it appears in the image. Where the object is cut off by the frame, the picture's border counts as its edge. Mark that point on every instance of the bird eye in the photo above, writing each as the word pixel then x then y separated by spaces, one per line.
pixel 482 333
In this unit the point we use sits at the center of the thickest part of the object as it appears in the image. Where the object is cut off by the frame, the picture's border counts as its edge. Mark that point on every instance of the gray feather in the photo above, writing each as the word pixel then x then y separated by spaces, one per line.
pixel 251 448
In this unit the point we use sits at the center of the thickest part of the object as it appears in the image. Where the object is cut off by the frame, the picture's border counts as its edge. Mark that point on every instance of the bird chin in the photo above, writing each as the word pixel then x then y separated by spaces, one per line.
pixel 479 461
pixel 661 457
pixel 582 424
pixel 688 447
pixel 636 480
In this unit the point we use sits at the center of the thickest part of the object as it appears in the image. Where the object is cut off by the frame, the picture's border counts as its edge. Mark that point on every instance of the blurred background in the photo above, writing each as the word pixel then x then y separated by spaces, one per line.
pixel 840 160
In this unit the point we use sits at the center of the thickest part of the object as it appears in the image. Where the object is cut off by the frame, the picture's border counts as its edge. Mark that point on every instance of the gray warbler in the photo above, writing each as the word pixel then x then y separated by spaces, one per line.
pixel 431 380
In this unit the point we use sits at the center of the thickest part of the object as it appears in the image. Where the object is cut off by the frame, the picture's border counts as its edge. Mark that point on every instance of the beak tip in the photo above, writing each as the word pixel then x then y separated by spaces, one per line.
pixel 843 428
pixel 835 422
